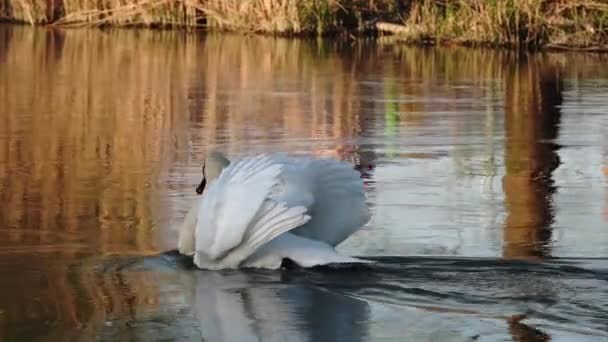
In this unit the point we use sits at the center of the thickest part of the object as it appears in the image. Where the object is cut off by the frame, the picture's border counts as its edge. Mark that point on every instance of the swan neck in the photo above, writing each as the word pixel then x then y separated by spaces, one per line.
pixel 186 234
pixel 214 165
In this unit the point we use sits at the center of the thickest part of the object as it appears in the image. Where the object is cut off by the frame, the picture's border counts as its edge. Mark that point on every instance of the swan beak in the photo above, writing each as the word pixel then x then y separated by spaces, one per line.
pixel 201 187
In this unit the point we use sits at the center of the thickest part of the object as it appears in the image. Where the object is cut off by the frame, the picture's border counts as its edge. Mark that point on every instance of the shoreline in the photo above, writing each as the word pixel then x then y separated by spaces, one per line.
pixel 352 36
pixel 543 25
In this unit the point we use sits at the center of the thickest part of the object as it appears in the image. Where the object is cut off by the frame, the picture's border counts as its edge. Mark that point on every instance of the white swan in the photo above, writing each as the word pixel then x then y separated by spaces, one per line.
pixel 259 210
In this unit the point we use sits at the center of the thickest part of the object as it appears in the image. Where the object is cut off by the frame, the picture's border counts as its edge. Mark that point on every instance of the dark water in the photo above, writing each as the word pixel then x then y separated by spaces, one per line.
pixel 486 171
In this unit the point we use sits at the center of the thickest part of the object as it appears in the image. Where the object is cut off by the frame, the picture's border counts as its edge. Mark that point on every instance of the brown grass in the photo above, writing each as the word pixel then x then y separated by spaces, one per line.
pixel 534 23
pixel 268 16
pixel 275 16
pixel 530 23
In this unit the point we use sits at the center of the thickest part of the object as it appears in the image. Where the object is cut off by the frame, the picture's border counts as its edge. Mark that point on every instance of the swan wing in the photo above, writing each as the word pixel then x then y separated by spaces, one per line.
pixel 238 215
pixel 339 208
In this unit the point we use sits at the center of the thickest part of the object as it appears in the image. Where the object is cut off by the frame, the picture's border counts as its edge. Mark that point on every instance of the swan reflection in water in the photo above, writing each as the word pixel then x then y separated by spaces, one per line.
pixel 245 306
pixel 337 305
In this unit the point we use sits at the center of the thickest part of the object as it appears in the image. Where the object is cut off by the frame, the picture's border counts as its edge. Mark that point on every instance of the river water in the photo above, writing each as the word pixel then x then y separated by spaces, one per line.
pixel 486 172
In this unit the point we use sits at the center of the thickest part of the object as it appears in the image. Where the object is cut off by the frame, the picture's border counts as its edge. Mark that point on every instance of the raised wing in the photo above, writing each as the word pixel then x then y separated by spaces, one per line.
pixel 237 216
pixel 339 209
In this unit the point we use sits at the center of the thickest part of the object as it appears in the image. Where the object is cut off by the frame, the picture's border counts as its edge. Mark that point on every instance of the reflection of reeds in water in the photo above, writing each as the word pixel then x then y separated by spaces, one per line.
pixel 83 129
pixel 84 124
pixel 439 80
pixel 531 88
pixel 533 92
pixel 74 302
pixel 303 90
pixel 275 84
pixel 260 90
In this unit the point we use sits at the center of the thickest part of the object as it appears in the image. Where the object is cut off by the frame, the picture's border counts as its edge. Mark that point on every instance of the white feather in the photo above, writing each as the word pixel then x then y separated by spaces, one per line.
pixel 304 252
pixel 331 190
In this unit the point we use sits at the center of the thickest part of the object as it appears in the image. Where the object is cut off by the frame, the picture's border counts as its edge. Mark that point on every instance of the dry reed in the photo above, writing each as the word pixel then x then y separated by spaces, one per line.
pixel 533 23
pixel 276 16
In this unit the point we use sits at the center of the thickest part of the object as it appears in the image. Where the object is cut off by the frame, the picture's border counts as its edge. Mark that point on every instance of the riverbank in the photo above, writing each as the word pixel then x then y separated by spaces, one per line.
pixel 568 24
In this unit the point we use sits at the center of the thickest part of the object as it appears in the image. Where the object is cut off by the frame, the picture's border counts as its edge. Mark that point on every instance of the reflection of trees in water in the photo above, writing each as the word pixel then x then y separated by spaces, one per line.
pixel 533 94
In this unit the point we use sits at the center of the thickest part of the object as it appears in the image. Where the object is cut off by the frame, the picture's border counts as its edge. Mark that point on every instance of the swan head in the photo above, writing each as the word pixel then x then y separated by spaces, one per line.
pixel 212 167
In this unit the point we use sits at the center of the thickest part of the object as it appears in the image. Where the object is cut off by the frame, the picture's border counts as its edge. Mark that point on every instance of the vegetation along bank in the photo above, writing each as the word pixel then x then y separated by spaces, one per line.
pixel 567 24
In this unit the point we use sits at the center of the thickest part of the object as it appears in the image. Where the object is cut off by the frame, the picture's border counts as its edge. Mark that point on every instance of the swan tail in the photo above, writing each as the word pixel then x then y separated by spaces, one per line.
pixel 302 251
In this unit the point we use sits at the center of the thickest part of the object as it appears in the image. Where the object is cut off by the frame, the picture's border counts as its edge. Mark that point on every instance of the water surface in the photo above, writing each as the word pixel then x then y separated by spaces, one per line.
pixel 486 172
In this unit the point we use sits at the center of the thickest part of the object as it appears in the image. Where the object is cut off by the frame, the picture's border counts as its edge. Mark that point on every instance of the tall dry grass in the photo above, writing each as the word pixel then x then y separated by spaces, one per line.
pixel 274 16
pixel 552 23
pixel 555 23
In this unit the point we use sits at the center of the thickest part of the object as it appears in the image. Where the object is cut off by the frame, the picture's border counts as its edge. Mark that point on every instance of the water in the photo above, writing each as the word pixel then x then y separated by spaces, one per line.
pixel 486 171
